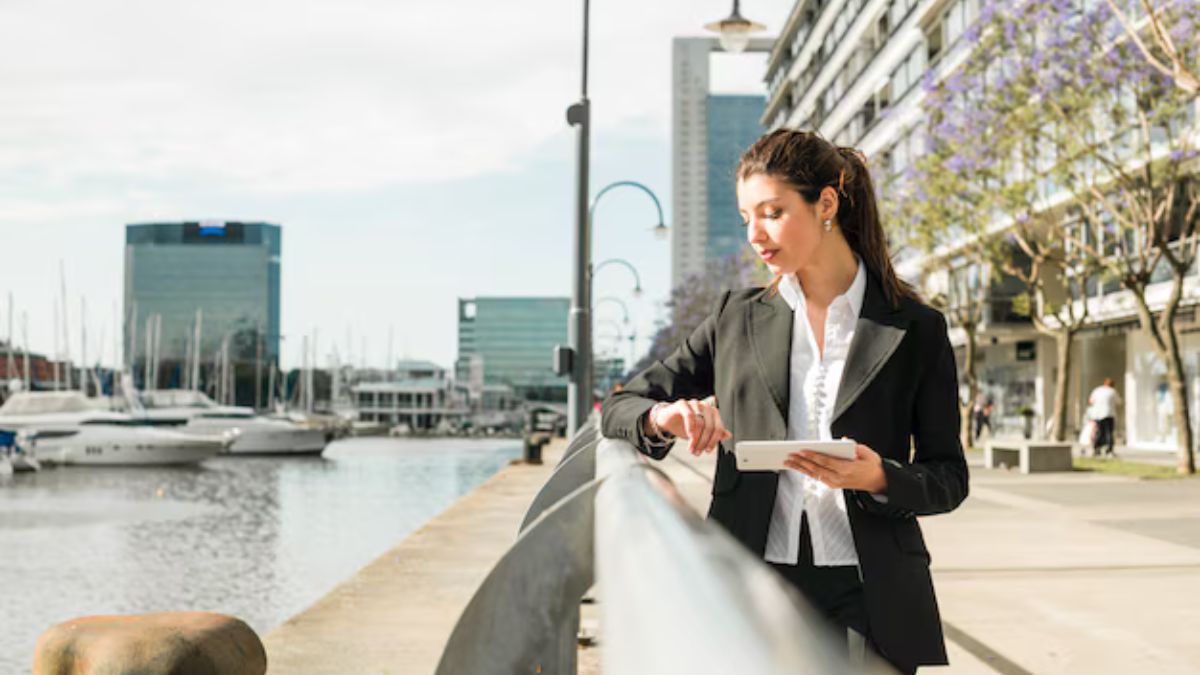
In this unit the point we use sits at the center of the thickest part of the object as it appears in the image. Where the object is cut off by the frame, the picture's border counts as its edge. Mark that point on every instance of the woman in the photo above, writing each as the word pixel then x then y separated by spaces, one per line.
pixel 835 347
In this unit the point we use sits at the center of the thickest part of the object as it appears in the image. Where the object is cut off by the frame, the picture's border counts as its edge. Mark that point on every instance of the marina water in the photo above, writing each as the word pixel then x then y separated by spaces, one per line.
pixel 258 538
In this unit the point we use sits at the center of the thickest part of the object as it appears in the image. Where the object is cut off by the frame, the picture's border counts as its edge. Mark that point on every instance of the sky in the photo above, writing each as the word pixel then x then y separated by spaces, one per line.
pixel 414 153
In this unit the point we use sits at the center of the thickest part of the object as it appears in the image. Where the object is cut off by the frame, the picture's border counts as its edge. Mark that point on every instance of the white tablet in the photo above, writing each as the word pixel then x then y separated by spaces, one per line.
pixel 769 455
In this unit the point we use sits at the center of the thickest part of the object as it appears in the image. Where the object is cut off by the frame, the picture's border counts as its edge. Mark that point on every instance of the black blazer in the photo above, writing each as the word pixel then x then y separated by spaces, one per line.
pixel 898 396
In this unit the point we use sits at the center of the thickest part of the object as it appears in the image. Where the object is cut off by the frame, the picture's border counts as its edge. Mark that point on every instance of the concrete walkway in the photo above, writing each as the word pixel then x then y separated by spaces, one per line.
pixel 1047 573
pixel 395 615
pixel 1056 573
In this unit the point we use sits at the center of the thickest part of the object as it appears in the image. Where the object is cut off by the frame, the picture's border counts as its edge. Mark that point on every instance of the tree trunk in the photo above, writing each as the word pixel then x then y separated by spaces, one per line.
pixel 1177 383
pixel 1165 338
pixel 967 421
pixel 1062 344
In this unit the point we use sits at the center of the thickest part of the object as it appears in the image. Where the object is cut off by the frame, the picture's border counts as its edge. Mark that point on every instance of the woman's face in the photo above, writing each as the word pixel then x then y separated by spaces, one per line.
pixel 784 230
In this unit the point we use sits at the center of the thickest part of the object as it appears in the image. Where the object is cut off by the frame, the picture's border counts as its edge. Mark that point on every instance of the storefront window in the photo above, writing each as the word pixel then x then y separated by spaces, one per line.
pixel 1154 405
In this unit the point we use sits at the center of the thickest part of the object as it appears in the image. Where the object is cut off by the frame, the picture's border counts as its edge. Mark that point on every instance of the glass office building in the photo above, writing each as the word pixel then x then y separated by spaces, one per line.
pixel 733 126
pixel 229 271
pixel 512 340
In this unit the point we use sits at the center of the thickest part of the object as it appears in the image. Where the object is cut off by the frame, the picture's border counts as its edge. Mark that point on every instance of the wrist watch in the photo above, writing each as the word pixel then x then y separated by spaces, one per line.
pixel 654 428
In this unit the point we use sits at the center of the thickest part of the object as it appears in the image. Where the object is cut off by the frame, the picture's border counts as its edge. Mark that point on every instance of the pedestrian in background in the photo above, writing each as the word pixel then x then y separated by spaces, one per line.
pixel 1102 404
pixel 982 412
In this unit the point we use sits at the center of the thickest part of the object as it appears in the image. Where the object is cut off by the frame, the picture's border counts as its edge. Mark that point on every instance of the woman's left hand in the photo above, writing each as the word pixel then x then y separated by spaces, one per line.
pixel 864 472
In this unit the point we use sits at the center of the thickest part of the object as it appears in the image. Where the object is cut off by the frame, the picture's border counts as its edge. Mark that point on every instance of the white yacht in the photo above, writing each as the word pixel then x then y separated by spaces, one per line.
pixel 194 412
pixel 65 428
pixel 102 444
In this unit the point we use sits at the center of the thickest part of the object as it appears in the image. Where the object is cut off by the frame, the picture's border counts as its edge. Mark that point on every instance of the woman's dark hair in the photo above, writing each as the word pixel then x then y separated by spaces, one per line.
pixel 808 163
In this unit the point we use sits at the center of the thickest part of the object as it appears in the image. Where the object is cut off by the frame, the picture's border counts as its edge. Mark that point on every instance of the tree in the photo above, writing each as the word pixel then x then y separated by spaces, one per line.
pixel 992 143
pixel 692 301
pixel 936 205
pixel 1094 128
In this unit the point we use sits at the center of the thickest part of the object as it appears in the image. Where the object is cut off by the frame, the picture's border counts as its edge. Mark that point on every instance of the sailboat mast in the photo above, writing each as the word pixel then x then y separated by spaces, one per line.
pixel 8 373
pixel 57 350
pixel 147 383
pixel 185 374
pixel 258 357
pixel 66 331
pixel 25 350
pixel 132 327
pixel 196 341
pixel 83 380
pixel 116 343
pixel 302 380
pixel 157 349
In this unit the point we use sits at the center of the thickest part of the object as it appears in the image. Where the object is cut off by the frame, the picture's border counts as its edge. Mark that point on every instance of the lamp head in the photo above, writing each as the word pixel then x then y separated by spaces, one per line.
pixel 660 231
pixel 734 31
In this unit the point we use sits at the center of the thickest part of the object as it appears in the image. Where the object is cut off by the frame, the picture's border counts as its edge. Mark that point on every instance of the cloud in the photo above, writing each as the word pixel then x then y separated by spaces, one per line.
pixel 306 112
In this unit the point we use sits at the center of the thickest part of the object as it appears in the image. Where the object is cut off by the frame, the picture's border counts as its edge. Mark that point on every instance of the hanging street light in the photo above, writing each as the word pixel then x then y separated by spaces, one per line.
pixel 734 31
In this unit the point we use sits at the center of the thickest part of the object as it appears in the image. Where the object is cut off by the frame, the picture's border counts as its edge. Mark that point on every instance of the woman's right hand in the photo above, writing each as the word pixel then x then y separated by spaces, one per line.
pixel 698 421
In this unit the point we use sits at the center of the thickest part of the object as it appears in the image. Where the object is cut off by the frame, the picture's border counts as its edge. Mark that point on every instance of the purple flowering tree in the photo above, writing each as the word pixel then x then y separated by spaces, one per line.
pixel 932 206
pixel 1082 151
pixel 989 145
pixel 693 300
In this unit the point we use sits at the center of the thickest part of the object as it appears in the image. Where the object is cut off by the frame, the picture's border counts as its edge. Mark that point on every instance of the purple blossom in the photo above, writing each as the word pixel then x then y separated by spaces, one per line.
pixel 955 84
pixel 927 82
pixel 1181 31
pixel 1037 60
pixel 957 163
pixel 987 12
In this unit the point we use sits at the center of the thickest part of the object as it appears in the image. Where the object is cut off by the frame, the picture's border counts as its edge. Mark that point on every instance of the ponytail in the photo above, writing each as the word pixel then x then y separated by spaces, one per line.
pixel 862 227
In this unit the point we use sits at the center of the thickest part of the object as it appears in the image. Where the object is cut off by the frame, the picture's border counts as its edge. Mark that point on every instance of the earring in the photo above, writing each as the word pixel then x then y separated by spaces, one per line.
pixel 828 225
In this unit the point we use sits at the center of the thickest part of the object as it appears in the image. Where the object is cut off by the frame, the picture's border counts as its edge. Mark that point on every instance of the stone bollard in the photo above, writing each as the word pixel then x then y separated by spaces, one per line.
pixel 170 643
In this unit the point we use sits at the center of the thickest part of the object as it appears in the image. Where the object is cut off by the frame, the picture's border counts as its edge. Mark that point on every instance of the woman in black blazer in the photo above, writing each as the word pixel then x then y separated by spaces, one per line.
pixel 810 213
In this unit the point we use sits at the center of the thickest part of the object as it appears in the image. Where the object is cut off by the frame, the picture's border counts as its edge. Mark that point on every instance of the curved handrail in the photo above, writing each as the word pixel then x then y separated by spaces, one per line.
pixel 677 593
pixel 680 595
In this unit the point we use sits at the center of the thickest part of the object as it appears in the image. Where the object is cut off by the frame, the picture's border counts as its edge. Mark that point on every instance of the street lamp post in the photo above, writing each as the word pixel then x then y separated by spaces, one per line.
pixel 660 231
pixel 577 360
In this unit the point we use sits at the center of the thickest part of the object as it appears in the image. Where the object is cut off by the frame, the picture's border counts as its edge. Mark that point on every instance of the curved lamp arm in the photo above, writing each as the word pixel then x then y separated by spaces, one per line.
pixel 637 278
pixel 660 229
pixel 624 307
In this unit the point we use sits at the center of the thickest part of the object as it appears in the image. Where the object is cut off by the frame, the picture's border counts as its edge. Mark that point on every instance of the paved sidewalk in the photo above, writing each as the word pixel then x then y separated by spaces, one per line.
pixel 1056 573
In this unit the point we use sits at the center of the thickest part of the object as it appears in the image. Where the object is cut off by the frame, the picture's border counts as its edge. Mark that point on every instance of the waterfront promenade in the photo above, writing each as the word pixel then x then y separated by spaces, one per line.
pixel 1056 573
pixel 1050 573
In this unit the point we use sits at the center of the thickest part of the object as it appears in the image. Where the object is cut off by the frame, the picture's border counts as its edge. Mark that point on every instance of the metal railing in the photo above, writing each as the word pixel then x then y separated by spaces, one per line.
pixel 677 593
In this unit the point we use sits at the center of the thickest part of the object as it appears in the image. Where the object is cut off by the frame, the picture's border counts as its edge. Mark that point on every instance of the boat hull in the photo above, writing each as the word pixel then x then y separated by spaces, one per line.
pixel 283 442
pixel 257 436
pixel 128 446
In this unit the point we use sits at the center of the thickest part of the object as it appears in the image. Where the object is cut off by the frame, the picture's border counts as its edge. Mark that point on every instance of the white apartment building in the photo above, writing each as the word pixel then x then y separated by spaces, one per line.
pixel 852 69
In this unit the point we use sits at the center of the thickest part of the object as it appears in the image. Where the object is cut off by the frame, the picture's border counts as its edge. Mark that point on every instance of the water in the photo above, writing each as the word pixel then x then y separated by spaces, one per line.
pixel 258 538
